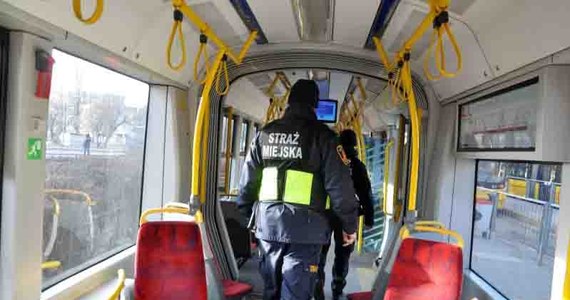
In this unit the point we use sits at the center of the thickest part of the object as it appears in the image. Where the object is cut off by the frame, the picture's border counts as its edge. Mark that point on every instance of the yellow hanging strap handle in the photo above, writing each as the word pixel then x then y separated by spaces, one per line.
pixel 223 69
pixel 202 52
pixel 176 28
pixel 441 28
pixel 94 17
pixel 405 233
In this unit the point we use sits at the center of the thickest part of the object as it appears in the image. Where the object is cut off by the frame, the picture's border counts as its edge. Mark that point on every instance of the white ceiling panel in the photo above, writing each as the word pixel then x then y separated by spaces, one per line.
pixel 398 23
pixel 353 21
pixel 276 20
pixel 339 85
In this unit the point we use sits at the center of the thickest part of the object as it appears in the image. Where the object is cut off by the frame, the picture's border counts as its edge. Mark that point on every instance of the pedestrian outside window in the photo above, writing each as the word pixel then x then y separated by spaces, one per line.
pixel 94 160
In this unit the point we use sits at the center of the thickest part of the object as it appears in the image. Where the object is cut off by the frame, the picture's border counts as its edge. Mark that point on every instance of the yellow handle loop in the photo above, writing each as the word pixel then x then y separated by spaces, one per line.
pixel 94 17
pixel 176 27
pixel 405 233
pixel 428 55
pixel 148 212
pixel 441 66
pixel 202 52
pixel 223 69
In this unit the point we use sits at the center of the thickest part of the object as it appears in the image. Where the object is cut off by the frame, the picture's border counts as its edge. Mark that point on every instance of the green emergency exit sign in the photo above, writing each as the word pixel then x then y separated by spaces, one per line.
pixel 35 149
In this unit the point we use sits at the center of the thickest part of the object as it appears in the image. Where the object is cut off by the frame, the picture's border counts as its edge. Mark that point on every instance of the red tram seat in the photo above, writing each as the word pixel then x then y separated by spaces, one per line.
pixel 423 269
pixel 426 270
pixel 169 264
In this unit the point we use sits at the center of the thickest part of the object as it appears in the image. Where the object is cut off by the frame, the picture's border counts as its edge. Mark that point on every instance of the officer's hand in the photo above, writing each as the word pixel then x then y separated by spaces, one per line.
pixel 348 239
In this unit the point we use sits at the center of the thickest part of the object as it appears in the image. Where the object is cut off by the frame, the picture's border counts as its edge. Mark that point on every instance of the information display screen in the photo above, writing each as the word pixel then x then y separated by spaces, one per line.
pixel 327 111
pixel 501 121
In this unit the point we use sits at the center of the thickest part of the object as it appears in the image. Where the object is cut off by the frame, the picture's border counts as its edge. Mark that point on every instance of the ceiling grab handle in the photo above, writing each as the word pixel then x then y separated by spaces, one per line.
pixel 442 69
pixel 176 28
pixel 431 51
pixel 97 13
pixel 202 52
pixel 441 28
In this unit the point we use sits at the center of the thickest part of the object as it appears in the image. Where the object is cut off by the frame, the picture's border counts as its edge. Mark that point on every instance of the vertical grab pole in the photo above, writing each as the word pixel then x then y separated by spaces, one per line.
pixel 200 138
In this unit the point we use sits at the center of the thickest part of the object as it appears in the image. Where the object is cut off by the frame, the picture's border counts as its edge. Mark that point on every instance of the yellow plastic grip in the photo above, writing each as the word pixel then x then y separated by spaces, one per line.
pixel 120 285
pixel 148 212
pixel 78 11
pixel 202 52
pixel 85 196
pixel 405 233
pixel 53 264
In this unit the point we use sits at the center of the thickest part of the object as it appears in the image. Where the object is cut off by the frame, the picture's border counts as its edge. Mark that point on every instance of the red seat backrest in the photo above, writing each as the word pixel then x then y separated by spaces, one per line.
pixel 169 262
pixel 426 270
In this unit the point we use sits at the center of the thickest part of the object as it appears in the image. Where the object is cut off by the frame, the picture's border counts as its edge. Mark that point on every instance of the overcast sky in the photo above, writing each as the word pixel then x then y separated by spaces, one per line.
pixel 96 79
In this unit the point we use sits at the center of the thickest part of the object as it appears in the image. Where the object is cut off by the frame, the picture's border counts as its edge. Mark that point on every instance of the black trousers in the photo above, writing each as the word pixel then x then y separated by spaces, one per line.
pixel 289 271
pixel 341 262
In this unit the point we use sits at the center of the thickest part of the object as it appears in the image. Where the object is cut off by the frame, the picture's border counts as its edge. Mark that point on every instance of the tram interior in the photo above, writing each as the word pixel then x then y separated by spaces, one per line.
pixel 120 115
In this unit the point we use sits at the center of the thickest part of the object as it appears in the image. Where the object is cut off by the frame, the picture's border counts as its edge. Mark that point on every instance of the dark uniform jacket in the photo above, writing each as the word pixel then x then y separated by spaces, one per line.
pixel 363 189
pixel 298 142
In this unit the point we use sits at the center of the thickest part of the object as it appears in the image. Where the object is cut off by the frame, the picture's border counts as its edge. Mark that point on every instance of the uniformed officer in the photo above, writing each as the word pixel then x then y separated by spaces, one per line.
pixel 293 165
pixel 342 253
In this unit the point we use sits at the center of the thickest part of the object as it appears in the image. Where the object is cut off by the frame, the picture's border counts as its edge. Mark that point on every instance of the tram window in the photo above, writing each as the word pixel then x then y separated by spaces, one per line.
pixel 94 160
pixel 243 140
pixel 515 226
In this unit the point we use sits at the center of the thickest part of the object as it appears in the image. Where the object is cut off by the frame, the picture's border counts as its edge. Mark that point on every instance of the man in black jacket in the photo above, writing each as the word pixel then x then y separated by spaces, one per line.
pixel 295 170
pixel 342 253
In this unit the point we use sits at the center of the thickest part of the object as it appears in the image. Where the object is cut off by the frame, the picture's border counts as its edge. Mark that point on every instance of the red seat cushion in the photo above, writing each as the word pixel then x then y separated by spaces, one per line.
pixel 360 296
pixel 426 270
pixel 236 288
pixel 169 262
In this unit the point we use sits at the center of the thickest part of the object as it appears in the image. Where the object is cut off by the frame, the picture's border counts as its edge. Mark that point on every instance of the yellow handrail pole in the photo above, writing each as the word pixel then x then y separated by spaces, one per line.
pixel 207 30
pixel 382 54
pixel 566 291
pixel 204 151
pixel 419 32
pixel 94 17
pixel 120 285
pixel 414 121
pixel 203 108
pixel 361 89
pixel 229 141
pixel 387 151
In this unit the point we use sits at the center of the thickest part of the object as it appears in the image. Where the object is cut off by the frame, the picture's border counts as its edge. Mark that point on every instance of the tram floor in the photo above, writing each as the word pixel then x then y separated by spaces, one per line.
pixel 360 277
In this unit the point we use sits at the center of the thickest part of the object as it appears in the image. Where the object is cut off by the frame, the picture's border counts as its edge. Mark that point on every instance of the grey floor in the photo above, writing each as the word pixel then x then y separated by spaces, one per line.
pixel 360 276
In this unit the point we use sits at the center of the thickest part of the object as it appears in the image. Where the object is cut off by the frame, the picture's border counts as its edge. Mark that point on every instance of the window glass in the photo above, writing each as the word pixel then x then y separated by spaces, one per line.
pixel 94 160
pixel 243 139
pixel 515 226
pixel 223 163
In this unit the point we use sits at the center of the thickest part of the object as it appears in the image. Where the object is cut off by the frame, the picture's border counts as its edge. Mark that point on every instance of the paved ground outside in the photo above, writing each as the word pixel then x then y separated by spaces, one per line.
pixel 509 264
